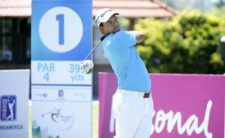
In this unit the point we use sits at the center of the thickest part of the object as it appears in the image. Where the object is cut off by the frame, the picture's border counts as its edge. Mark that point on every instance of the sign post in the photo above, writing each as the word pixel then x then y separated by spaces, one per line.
pixel 61 94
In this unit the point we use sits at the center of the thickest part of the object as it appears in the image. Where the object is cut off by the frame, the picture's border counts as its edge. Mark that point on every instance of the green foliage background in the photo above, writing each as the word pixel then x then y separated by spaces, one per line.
pixel 187 43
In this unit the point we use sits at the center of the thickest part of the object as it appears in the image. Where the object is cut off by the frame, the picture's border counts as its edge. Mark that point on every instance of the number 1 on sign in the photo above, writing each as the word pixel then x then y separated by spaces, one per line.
pixel 60 19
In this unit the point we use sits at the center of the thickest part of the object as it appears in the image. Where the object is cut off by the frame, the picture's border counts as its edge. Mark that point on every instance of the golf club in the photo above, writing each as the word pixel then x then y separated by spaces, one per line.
pixel 88 63
pixel 92 51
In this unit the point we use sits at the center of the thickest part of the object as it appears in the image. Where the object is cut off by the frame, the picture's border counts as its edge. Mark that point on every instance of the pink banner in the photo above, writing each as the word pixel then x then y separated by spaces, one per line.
pixel 186 106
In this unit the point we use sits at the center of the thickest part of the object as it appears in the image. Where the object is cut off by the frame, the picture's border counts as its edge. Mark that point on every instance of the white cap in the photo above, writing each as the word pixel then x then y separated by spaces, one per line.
pixel 103 15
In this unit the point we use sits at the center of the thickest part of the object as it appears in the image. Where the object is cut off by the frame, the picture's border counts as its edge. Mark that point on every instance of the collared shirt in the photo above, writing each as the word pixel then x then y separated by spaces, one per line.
pixel 129 68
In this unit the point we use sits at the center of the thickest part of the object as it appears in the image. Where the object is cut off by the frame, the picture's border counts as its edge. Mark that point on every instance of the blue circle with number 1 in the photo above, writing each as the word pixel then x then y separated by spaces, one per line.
pixel 60 29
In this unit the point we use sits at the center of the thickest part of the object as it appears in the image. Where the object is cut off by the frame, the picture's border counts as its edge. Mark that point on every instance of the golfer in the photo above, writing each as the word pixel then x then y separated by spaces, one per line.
pixel 132 104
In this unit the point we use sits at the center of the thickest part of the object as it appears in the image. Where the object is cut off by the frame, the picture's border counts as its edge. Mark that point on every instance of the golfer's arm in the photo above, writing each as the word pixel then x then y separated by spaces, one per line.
pixel 139 36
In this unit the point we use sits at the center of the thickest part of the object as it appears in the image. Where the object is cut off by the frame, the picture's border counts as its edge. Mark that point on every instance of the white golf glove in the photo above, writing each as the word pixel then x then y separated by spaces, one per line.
pixel 86 66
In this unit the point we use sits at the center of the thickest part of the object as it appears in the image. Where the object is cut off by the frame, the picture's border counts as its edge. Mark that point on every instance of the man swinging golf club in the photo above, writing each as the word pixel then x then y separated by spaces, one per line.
pixel 132 104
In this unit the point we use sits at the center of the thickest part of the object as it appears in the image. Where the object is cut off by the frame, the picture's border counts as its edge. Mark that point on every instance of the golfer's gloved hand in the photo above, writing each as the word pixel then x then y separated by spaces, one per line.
pixel 86 66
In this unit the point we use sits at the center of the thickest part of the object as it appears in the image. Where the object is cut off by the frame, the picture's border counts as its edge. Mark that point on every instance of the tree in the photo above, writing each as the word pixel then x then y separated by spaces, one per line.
pixel 187 43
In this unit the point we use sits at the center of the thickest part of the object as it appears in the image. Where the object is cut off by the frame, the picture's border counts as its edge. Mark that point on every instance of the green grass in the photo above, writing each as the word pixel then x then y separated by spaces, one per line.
pixel 95 118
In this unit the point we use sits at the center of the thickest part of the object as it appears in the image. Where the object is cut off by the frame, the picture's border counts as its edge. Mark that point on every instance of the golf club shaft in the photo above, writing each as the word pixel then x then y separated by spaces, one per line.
pixel 92 51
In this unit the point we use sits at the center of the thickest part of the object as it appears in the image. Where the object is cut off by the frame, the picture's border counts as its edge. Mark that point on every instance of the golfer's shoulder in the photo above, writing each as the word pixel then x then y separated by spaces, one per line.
pixel 121 35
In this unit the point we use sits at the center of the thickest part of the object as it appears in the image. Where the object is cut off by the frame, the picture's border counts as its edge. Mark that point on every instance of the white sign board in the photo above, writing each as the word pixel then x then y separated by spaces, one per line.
pixel 61 94
pixel 62 119
pixel 14 94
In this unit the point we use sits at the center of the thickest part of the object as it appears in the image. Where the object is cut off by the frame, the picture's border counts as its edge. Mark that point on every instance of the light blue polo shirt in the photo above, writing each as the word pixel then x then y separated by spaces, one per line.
pixel 129 68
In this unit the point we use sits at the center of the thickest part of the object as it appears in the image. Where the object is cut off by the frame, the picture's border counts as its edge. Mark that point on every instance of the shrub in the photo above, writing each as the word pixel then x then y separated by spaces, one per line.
pixel 186 43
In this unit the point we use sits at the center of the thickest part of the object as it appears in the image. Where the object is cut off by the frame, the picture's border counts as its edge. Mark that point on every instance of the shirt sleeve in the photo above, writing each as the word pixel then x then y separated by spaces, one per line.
pixel 127 38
